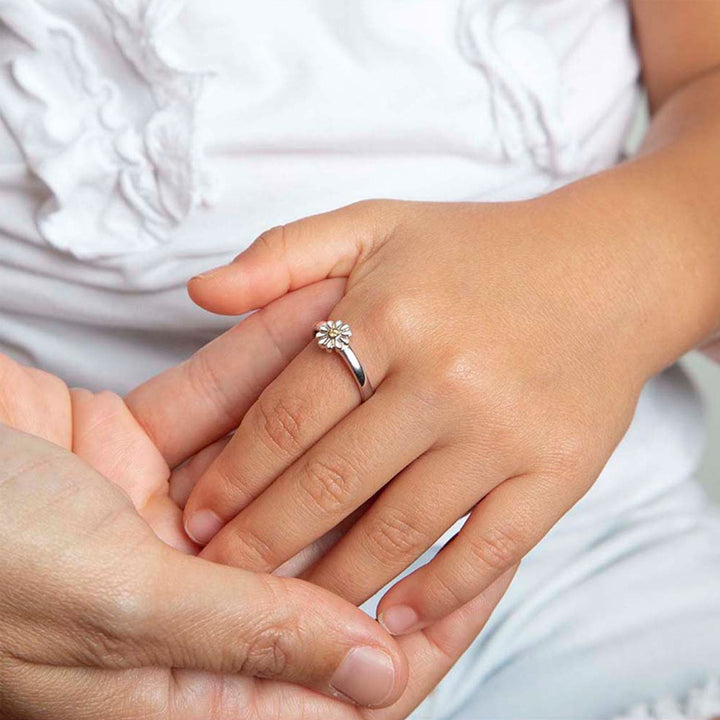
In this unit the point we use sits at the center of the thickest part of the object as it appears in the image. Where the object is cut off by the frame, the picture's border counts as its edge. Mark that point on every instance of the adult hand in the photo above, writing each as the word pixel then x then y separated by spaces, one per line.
pixel 506 367
pixel 99 428
pixel 99 617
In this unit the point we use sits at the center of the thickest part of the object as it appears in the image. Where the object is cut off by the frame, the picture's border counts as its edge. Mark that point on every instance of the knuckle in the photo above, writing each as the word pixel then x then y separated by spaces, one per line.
pixel 275 240
pixel 109 651
pixel 247 546
pixel 454 378
pixel 109 402
pixel 446 589
pixel 377 220
pixel 104 411
pixel 381 212
pixel 52 384
pixel 457 373
pixel 392 535
pixel 228 482
pixel 279 422
pixel 327 482
pixel 400 315
pixel 367 205
pixel 266 654
pixel 497 549
pixel 569 452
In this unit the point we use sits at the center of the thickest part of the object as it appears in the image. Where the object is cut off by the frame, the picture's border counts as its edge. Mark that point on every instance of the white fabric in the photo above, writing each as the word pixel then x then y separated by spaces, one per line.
pixel 146 140
pixel 162 136
pixel 702 701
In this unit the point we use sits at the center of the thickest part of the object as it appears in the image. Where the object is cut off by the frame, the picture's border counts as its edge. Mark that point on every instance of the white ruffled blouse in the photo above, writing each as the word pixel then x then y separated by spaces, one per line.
pixel 145 140
pixel 104 101
pixel 111 131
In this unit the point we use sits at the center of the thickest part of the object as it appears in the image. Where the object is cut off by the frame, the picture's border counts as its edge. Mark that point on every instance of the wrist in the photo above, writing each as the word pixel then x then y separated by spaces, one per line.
pixel 655 257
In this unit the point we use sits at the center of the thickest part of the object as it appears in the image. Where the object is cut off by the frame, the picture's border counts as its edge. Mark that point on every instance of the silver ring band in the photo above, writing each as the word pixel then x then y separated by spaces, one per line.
pixel 334 335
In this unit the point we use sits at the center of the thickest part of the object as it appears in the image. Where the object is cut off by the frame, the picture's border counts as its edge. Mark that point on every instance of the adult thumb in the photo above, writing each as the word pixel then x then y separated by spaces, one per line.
pixel 204 616
pixel 288 257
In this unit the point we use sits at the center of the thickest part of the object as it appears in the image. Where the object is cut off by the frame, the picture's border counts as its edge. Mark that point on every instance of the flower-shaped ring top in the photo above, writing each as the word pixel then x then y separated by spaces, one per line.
pixel 335 335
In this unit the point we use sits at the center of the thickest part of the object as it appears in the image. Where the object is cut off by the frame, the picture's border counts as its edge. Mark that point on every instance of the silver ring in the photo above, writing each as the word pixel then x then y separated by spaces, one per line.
pixel 335 335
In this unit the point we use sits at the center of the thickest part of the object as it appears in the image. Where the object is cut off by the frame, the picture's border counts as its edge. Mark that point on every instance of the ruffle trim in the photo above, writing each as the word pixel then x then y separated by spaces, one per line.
pixel 701 703
pixel 495 37
pixel 121 175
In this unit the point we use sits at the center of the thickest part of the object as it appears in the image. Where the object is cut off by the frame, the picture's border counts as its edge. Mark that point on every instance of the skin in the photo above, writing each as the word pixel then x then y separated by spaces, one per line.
pixel 98 617
pixel 507 343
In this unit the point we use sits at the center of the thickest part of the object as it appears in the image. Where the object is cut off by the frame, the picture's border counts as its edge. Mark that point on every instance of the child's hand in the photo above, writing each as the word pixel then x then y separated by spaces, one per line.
pixel 507 360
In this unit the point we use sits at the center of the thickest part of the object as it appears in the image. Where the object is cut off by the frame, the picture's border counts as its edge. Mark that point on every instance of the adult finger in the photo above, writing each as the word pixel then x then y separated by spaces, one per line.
pixel 48 692
pixel 501 530
pixel 188 613
pixel 217 385
pixel 35 402
pixel 108 438
pixel 291 256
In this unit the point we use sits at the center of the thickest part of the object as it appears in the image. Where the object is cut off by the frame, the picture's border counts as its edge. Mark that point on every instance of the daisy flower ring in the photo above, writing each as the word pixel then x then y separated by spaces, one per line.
pixel 334 335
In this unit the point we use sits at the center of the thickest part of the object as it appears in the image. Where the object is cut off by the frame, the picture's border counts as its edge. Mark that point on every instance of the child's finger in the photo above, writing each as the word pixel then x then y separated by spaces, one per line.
pixel 198 402
pixel 184 478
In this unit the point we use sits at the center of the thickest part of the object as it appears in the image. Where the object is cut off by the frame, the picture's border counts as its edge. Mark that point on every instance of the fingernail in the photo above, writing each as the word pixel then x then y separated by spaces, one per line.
pixel 366 675
pixel 208 273
pixel 213 271
pixel 202 526
pixel 399 619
